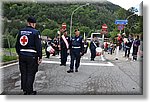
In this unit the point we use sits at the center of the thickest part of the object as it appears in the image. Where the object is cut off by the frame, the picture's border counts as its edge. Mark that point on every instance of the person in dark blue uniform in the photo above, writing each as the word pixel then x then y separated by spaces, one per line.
pixel 76 51
pixel 29 49
pixel 93 47
pixel 64 44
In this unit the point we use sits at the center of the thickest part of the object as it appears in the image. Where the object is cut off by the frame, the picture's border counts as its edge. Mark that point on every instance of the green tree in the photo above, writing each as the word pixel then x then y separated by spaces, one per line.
pixel 46 32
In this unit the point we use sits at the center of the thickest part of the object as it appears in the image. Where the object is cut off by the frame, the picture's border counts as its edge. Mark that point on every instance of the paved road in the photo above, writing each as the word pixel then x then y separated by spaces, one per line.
pixel 98 77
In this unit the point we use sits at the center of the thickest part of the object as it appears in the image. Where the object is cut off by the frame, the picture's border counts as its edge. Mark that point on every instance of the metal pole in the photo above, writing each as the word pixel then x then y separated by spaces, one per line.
pixel 84 35
pixel 103 39
pixel 72 16
pixel 124 29
pixel 128 18
pixel 71 24
pixel 120 31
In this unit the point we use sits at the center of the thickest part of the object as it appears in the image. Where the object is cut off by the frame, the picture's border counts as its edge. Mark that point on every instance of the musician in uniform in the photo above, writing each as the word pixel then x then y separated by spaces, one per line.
pixel 64 45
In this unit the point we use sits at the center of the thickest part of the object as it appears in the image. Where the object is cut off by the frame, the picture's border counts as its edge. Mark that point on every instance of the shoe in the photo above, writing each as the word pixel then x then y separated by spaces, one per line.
pixel 102 58
pixel 116 58
pixel 134 60
pixel 70 71
pixel 76 70
pixel 61 64
pixel 32 93
pixel 92 59
pixel 25 93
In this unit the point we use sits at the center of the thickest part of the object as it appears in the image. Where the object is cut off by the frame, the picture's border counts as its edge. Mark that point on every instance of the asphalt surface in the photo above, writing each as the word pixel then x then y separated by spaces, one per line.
pixel 110 77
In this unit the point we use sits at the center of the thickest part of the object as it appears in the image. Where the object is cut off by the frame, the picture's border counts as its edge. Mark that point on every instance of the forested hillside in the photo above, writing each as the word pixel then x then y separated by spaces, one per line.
pixel 50 17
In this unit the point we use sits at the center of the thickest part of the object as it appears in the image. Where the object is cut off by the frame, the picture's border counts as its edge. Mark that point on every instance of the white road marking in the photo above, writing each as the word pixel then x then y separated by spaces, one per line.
pixel 108 64
pixel 8 65
pixel 86 64
pixel 57 57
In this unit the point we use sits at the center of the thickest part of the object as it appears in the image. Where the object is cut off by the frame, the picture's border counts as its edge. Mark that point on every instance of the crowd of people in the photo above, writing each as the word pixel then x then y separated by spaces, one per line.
pixel 128 44
pixel 29 49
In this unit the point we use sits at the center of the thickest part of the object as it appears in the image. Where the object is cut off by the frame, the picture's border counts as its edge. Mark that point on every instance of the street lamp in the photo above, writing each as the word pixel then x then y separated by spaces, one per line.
pixel 72 16
pixel 128 18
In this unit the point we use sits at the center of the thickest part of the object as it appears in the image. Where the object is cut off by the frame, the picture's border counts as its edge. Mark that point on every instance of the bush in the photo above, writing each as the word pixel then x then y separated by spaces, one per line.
pixel 8 58
pixel 48 32
pixel 12 41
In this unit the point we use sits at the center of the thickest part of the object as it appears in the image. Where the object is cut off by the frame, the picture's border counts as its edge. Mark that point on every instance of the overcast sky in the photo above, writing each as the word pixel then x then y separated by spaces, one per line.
pixel 126 3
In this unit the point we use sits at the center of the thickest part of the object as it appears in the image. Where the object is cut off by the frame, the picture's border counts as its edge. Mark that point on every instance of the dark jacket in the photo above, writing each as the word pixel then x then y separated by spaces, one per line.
pixel 136 42
pixel 77 42
pixel 92 45
pixel 129 43
pixel 62 43
pixel 29 38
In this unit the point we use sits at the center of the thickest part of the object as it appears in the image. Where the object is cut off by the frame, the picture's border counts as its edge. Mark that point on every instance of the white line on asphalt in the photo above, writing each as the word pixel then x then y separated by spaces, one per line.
pixel 8 65
pixel 56 62
pixel 57 57
pixel 88 64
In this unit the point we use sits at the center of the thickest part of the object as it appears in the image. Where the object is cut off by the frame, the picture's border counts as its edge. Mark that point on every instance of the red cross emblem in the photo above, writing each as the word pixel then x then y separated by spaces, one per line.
pixel 24 40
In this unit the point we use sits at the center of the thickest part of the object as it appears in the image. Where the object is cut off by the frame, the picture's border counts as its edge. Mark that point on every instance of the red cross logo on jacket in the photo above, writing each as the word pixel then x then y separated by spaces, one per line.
pixel 24 40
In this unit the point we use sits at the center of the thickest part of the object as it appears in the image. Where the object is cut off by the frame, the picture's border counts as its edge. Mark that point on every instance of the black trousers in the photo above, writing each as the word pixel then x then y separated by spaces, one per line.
pixel 135 50
pixel 127 52
pixel 64 56
pixel 93 54
pixel 85 50
pixel 47 54
pixel 75 56
pixel 28 67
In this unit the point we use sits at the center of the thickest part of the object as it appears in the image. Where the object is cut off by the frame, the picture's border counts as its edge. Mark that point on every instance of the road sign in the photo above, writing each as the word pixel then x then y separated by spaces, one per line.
pixel 122 22
pixel 120 27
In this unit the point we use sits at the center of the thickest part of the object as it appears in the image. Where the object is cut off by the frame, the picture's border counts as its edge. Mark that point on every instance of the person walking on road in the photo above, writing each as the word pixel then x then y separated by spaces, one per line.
pixel 76 51
pixel 29 49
